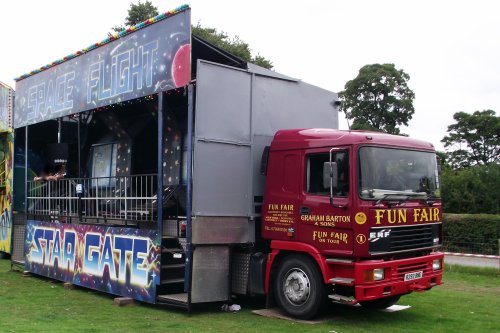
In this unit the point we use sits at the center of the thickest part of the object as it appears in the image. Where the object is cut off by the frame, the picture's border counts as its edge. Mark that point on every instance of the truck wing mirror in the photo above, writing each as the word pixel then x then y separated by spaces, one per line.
pixel 439 167
pixel 330 172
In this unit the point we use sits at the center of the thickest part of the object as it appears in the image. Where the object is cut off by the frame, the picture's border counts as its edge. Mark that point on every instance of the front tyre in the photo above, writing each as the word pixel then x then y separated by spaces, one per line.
pixel 299 288
pixel 382 303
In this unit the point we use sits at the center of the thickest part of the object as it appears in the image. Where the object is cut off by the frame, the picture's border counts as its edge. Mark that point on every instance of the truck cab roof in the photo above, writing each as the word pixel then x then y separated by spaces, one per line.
pixel 324 137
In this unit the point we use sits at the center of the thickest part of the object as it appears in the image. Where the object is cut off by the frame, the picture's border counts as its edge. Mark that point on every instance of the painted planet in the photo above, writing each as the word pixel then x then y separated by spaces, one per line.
pixel 181 71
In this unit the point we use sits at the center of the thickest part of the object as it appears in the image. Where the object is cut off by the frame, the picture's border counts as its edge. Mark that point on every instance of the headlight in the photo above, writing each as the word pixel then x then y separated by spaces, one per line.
pixel 374 275
pixel 378 274
pixel 436 265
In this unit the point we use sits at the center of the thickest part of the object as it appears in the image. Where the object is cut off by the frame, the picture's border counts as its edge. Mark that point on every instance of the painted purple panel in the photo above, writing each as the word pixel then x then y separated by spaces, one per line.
pixel 153 59
pixel 115 260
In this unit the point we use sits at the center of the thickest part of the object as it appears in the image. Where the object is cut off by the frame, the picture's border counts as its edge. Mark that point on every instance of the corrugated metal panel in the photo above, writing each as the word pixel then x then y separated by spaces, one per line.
pixel 222 230
pixel 18 245
pixel 19 226
pixel 240 263
pixel 210 281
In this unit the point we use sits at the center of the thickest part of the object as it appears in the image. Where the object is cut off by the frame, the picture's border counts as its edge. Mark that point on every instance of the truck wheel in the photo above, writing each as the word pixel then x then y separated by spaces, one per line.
pixel 299 287
pixel 382 303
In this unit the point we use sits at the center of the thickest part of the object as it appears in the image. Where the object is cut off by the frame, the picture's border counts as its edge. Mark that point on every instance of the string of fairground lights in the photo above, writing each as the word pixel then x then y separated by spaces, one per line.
pixel 177 91
pixel 107 40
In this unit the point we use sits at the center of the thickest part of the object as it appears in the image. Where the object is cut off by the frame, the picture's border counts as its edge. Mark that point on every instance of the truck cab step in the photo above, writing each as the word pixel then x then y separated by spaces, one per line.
pixel 340 280
pixel 339 261
pixel 343 299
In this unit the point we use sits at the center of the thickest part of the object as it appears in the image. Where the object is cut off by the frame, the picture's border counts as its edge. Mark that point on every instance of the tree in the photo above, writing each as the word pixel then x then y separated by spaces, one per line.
pixel 142 11
pixel 232 45
pixel 443 159
pixel 378 99
pixel 474 139
pixel 138 13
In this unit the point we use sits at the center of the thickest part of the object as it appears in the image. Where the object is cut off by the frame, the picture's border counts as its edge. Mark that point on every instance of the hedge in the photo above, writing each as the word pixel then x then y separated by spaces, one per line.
pixel 471 233
pixel 474 190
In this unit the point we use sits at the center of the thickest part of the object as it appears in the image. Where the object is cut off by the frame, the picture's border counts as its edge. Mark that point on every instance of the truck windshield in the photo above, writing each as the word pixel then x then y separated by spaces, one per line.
pixel 385 172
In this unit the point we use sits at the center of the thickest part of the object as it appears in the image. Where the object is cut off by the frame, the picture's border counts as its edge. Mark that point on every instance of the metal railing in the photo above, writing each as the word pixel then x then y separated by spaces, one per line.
pixel 471 246
pixel 130 198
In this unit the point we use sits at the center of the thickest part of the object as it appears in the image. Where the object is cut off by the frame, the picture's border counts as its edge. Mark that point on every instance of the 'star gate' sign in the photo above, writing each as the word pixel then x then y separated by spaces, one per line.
pixel 121 261
pixel 153 59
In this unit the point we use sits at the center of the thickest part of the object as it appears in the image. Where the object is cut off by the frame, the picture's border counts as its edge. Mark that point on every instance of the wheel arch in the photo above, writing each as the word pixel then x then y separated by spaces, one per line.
pixel 281 249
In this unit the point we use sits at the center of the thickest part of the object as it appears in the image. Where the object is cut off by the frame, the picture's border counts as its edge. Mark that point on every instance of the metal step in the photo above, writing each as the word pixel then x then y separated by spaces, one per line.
pixel 179 300
pixel 170 239
pixel 173 266
pixel 343 299
pixel 172 281
pixel 339 261
pixel 171 250
pixel 341 280
pixel 175 252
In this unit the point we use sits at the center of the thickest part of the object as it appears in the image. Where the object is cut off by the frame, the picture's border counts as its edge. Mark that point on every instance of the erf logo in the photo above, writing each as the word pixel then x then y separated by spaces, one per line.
pixel 376 235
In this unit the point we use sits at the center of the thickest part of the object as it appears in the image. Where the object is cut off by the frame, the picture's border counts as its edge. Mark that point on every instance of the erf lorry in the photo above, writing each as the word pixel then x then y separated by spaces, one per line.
pixel 6 144
pixel 187 179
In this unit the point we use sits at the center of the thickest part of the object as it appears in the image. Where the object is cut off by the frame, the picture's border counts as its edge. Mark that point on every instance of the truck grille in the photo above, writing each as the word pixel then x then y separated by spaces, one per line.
pixel 400 272
pixel 401 239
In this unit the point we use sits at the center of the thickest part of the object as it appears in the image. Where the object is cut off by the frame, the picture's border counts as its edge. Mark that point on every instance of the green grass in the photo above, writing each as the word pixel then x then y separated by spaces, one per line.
pixel 468 302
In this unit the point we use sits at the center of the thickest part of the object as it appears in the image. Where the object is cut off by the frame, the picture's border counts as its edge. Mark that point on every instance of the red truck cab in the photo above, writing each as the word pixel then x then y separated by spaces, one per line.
pixel 353 216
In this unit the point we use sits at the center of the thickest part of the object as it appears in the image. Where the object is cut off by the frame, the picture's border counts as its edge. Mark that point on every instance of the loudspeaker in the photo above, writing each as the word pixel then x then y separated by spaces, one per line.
pixel 58 153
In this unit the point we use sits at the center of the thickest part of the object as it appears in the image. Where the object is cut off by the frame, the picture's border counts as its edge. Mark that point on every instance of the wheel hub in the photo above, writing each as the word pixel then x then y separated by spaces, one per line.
pixel 296 287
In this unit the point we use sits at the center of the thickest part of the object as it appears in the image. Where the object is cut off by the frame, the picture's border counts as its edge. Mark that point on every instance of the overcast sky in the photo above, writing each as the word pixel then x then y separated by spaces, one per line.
pixel 450 49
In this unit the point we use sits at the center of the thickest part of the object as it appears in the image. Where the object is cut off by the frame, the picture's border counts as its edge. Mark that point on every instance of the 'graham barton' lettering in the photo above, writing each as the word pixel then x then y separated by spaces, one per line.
pixel 325 218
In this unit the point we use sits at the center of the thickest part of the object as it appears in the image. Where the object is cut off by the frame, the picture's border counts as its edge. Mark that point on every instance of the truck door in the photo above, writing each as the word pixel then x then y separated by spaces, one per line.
pixel 323 222
pixel 280 208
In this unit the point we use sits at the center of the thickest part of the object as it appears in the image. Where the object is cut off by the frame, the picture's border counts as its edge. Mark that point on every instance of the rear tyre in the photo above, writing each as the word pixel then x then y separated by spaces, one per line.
pixel 299 288
pixel 382 303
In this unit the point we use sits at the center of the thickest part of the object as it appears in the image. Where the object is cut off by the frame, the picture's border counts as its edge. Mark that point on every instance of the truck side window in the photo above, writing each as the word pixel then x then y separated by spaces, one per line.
pixel 314 176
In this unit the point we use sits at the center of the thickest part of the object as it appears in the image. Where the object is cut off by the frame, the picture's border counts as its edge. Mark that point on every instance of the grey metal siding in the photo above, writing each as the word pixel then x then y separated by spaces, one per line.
pixel 221 169
pixel 237 114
